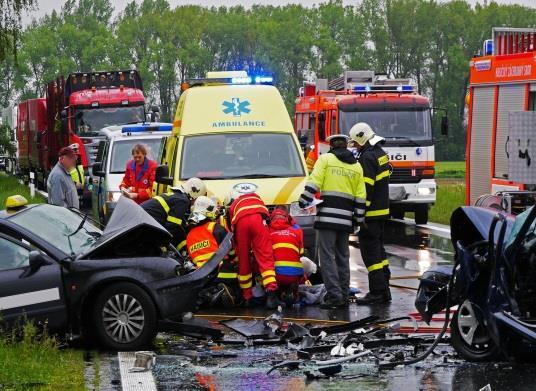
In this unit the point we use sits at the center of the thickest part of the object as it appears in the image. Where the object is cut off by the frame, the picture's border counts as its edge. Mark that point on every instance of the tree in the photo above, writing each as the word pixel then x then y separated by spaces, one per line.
pixel 10 24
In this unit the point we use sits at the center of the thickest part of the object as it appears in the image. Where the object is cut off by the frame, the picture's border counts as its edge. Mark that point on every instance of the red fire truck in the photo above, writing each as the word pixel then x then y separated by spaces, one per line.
pixel 395 111
pixel 501 122
pixel 74 111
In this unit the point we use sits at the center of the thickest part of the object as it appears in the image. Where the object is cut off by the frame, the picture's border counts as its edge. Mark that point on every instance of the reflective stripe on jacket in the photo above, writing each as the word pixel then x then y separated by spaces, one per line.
pixel 342 190
pixel 376 170
pixel 287 244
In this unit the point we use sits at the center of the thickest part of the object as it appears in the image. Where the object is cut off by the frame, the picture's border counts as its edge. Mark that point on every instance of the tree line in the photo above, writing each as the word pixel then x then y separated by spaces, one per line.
pixel 427 40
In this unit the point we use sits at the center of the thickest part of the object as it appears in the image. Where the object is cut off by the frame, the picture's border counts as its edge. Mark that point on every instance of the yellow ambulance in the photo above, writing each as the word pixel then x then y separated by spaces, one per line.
pixel 234 132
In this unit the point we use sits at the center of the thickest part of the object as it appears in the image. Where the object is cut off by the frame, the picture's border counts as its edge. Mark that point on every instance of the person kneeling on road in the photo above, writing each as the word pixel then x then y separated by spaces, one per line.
pixel 171 209
pixel 376 170
pixel 339 178
pixel 248 215
pixel 287 243
pixel 203 240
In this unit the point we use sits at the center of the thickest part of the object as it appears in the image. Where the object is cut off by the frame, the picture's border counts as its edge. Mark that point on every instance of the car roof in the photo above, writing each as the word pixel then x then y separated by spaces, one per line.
pixel 7 213
pixel 115 131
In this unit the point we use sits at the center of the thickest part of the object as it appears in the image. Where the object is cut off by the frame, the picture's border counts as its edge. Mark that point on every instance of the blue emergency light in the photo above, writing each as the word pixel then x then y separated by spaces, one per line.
pixel 241 80
pixel 260 79
pixel 404 88
pixel 147 127
pixel 488 47
pixel 362 88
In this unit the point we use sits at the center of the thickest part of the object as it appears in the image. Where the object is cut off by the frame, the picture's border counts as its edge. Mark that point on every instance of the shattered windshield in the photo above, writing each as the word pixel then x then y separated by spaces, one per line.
pixel 252 155
pixel 411 124
pixel 54 224
pixel 89 121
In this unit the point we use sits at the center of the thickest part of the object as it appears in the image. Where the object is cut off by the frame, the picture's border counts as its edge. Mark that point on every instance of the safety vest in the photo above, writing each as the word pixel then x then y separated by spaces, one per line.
pixel 77 175
pixel 287 252
pixel 247 204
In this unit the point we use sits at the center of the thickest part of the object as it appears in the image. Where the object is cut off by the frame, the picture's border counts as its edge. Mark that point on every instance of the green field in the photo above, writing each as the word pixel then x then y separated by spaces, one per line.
pixel 10 186
pixel 34 361
pixel 450 195
pixel 450 170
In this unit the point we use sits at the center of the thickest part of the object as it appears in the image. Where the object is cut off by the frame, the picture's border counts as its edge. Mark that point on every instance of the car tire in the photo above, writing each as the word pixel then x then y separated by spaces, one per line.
pixel 421 214
pixel 470 338
pixel 124 317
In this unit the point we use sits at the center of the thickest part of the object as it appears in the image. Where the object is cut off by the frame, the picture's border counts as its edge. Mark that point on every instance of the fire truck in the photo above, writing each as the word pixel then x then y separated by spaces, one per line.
pixel 501 121
pixel 394 109
pixel 74 111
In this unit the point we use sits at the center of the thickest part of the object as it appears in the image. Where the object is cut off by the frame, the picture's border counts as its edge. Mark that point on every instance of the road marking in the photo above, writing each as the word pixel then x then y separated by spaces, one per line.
pixel 143 381
pixel 43 193
pixel 30 298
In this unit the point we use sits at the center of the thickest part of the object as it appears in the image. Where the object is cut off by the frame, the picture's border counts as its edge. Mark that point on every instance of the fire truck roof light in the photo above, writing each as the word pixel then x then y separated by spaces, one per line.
pixel 147 127
pixel 362 88
pixel 404 88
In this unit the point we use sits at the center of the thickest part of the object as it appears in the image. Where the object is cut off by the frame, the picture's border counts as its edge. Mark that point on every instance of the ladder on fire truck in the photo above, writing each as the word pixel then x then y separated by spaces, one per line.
pixel 377 82
pixel 508 40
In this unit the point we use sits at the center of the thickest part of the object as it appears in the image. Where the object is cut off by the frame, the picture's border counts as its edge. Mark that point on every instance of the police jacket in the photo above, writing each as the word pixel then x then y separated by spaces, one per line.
pixel 339 178
pixel 375 163
pixel 171 211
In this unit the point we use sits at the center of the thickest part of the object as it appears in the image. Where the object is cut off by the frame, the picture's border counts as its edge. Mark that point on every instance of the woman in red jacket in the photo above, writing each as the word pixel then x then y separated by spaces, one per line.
pixel 139 176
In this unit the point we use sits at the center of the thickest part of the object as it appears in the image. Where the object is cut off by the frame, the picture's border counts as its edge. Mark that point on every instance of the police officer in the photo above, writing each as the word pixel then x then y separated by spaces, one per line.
pixel 339 178
pixel 376 169
pixel 171 209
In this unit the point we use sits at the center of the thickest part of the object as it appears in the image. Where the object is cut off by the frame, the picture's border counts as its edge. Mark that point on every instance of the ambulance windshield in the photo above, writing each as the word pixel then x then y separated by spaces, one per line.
pixel 252 155
pixel 395 126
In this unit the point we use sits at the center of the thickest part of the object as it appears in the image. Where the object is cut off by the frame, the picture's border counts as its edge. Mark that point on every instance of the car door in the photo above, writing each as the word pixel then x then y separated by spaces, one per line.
pixel 36 294
pixel 98 194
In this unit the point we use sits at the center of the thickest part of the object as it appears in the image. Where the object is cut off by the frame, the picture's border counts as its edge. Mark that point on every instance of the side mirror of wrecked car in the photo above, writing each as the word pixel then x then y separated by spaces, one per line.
pixel 162 175
pixel 37 260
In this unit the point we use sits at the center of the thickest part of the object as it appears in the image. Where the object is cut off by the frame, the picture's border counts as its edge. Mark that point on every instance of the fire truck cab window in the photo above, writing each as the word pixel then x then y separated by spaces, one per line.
pixel 413 125
pixel 532 101
pixel 322 126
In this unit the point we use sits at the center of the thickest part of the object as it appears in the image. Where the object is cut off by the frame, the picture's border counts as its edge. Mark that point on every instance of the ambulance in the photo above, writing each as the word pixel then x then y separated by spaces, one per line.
pixel 234 132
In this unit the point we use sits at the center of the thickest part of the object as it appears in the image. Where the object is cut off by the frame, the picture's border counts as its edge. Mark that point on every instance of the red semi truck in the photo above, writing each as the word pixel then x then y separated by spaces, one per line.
pixel 74 110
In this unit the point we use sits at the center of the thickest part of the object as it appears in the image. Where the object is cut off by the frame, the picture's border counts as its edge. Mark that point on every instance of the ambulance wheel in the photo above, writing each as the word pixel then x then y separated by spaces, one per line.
pixel 469 337
pixel 421 214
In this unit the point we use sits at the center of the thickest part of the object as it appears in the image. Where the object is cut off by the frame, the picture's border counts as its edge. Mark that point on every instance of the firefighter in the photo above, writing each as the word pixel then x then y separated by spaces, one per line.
pixel 248 217
pixel 339 178
pixel 287 243
pixel 202 242
pixel 171 209
pixel 376 169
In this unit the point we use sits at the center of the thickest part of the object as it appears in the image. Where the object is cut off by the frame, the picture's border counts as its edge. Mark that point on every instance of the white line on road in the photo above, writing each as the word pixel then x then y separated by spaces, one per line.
pixel 43 193
pixel 142 381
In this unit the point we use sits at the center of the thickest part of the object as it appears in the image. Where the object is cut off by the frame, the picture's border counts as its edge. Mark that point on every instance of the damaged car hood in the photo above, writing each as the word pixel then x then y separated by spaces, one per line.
pixel 129 224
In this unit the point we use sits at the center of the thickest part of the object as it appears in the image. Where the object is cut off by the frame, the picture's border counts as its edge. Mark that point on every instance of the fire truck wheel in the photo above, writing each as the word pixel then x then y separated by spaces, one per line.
pixel 397 213
pixel 421 214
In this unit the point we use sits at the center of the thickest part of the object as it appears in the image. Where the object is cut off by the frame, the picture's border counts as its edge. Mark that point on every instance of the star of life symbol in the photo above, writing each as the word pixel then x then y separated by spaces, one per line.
pixel 236 107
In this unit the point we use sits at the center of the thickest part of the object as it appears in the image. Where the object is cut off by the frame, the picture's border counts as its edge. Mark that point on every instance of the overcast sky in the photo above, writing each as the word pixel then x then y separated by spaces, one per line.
pixel 46 6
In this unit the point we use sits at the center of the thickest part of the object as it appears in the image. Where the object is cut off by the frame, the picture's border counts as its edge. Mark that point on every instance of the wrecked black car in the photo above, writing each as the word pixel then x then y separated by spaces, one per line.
pixel 493 285
pixel 57 268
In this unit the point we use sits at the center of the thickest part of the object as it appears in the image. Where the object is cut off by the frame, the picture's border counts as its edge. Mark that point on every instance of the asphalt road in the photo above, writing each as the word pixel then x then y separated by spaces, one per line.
pixel 411 250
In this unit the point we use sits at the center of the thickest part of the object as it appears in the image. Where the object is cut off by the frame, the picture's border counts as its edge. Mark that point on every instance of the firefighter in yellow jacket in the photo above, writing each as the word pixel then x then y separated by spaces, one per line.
pixel 376 169
pixel 338 177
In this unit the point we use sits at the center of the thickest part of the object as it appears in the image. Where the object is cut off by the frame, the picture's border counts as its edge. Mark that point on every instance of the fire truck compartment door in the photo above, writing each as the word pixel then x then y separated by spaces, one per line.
pixel 521 147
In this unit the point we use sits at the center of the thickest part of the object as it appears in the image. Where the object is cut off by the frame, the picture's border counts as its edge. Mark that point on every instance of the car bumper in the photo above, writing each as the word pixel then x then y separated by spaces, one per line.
pixel 423 192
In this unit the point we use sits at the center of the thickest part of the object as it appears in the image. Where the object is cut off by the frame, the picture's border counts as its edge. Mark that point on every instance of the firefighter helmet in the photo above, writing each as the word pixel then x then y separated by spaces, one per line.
pixel 362 132
pixel 204 208
pixel 229 198
pixel 193 187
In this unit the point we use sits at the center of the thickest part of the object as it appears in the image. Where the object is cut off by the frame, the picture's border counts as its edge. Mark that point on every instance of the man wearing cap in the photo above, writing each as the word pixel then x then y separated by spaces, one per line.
pixel 376 169
pixel 60 186
pixel 339 178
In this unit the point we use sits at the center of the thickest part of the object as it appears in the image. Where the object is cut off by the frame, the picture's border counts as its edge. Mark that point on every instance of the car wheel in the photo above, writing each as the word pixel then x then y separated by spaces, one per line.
pixel 124 317
pixel 470 338
pixel 421 214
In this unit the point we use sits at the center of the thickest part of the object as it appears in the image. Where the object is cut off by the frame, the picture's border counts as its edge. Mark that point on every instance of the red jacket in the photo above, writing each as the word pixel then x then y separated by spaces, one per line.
pixel 287 242
pixel 141 178
pixel 247 204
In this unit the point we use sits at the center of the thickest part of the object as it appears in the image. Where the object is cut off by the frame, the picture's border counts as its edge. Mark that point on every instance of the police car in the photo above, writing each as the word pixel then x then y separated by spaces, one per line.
pixel 57 268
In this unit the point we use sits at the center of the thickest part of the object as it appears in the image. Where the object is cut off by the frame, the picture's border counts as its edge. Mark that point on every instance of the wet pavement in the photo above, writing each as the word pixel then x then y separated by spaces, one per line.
pixel 411 250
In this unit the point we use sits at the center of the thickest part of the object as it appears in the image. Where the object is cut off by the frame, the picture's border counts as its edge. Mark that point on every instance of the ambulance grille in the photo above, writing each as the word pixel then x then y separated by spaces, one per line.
pixel 404 175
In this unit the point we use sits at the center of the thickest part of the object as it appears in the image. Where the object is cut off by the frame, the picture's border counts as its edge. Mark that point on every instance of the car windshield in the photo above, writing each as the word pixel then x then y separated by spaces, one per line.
pixel 410 125
pixel 122 152
pixel 89 121
pixel 54 224
pixel 252 155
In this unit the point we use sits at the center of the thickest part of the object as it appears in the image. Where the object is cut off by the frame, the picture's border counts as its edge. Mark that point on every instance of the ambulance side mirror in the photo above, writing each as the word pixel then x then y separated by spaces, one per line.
pixel 162 175
pixel 445 125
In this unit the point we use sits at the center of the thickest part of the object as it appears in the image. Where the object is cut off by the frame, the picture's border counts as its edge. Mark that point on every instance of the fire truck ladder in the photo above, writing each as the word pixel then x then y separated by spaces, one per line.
pixel 507 40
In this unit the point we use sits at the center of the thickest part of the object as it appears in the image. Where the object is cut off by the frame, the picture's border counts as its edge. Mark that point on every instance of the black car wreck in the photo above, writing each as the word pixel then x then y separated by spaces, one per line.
pixel 57 268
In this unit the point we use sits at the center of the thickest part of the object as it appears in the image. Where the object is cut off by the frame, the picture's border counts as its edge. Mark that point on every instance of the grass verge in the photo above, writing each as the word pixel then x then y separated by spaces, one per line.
pixel 450 195
pixel 10 186
pixel 450 170
pixel 33 360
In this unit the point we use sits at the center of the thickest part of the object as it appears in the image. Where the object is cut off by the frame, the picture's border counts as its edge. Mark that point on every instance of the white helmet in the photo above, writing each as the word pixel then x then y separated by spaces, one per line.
pixel 229 198
pixel 362 132
pixel 193 187
pixel 204 208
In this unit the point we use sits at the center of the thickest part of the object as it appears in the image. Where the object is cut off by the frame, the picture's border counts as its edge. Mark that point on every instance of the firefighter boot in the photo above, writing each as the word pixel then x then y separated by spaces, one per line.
pixel 272 301
pixel 379 289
